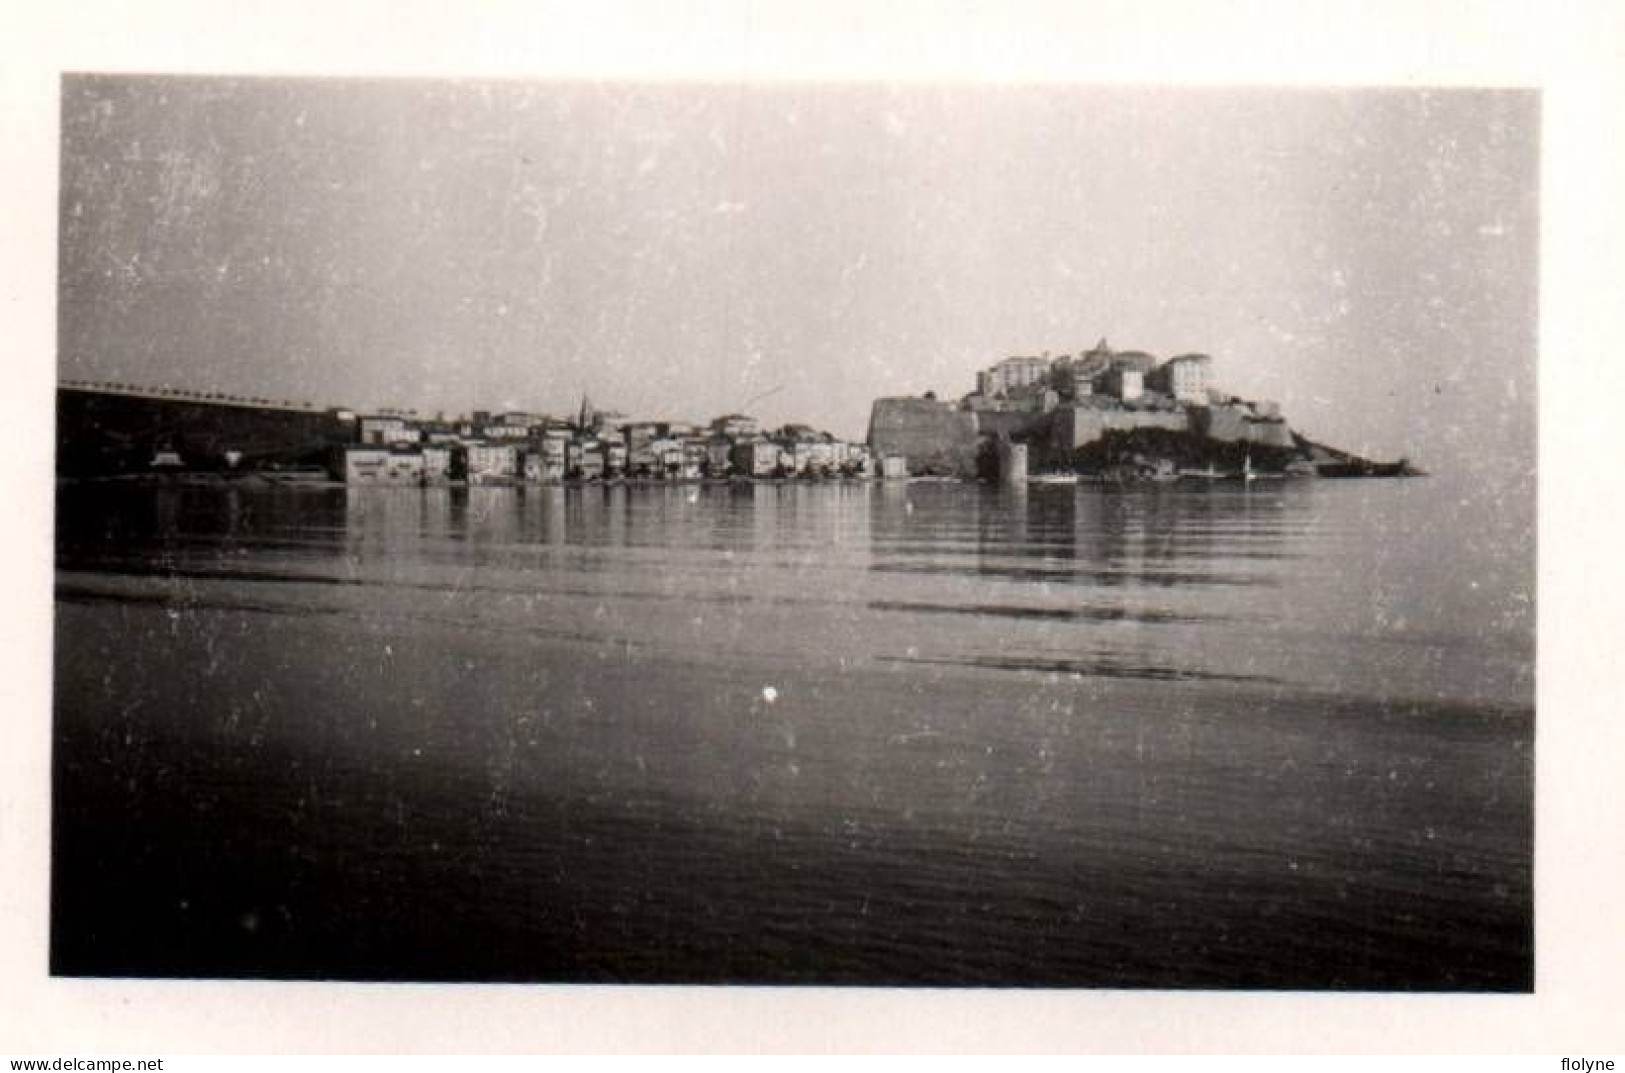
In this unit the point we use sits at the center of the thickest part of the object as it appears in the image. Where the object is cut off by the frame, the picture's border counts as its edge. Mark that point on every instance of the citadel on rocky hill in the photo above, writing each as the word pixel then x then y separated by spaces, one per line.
pixel 1059 405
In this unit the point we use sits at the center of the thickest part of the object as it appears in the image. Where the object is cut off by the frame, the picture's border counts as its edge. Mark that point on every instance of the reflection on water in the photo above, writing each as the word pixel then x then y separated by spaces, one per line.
pixel 841 732
pixel 1335 588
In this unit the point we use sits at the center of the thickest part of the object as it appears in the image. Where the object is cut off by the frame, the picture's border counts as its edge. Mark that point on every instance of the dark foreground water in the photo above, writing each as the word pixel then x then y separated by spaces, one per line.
pixel 927 734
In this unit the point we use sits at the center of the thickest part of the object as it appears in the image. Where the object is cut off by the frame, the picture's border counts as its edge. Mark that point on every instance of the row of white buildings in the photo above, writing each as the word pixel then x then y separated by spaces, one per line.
pixel 520 448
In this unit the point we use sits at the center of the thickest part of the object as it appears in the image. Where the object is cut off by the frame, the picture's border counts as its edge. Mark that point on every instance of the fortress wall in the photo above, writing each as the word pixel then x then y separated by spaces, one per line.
pixel 1009 423
pixel 1234 425
pixel 1273 433
pixel 1087 426
pixel 933 436
pixel 1222 423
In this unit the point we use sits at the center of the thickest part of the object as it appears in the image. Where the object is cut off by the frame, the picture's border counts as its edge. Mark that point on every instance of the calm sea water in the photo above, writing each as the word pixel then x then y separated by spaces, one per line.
pixel 888 734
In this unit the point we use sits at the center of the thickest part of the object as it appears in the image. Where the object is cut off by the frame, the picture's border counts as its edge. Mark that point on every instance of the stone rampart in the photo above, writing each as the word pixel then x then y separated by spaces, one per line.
pixel 1074 428
pixel 933 436
pixel 1236 424
pixel 1001 424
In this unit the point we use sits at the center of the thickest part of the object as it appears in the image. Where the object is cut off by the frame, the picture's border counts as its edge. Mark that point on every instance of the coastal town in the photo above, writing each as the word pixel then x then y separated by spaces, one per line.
pixel 110 429
pixel 596 445
pixel 1098 414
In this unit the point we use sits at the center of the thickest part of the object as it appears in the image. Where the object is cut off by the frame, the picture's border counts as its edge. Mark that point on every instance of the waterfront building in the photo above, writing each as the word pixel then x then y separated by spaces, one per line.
pixel 638 436
pixel 554 452
pixel 849 458
pixel 799 454
pixel 584 460
pixel 641 463
pixel 386 429
pixel 734 426
pixel 755 458
pixel 692 466
pixel 493 463
pixel 665 457
pixel 821 459
pixel 369 464
pixel 614 459
pixel 590 465
pixel 718 456
pixel 437 463
pixel 543 461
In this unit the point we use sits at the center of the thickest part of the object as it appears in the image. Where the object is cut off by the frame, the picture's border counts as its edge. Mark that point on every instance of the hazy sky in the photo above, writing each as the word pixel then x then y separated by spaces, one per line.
pixel 1366 257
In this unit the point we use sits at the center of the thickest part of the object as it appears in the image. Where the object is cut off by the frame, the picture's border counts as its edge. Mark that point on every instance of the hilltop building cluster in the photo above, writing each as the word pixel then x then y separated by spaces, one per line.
pixel 1056 405
pixel 596 445
pixel 1128 377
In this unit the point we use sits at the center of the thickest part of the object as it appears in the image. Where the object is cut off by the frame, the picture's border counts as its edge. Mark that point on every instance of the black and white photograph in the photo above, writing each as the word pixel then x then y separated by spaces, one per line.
pixel 795 533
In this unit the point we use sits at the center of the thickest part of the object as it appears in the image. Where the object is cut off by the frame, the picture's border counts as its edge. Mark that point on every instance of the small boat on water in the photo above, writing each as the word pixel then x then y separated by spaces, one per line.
pixel 1302 469
pixel 1053 478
